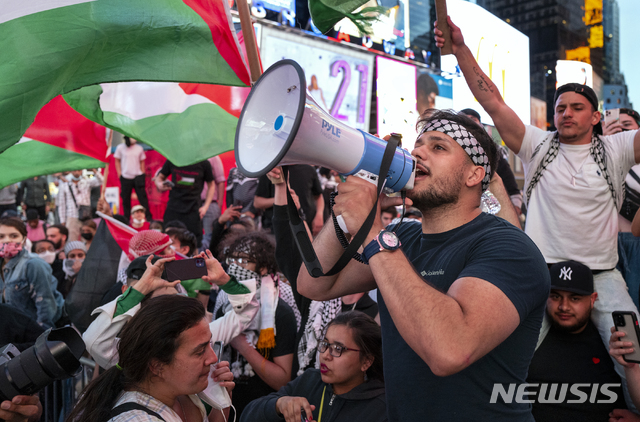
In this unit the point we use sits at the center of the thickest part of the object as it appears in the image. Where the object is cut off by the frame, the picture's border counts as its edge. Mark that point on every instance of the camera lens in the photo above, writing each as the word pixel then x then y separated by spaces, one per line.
pixel 620 321
pixel 56 355
pixel 199 262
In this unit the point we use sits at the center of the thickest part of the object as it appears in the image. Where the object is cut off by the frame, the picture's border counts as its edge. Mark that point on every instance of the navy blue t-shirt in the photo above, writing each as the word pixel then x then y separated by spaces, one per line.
pixel 491 249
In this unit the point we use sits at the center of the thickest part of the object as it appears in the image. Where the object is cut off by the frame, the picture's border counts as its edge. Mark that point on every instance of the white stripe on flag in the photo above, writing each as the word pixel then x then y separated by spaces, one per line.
pixel 13 9
pixel 138 100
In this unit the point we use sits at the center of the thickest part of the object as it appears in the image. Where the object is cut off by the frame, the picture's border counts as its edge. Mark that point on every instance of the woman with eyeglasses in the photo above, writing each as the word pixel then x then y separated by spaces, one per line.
pixel 349 386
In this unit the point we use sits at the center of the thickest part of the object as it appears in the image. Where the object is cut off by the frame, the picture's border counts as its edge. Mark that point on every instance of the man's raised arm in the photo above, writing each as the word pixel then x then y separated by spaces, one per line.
pixel 507 122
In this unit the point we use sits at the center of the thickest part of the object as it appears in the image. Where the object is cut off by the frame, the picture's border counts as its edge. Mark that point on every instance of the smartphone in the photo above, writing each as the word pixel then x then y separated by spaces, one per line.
pixel 237 202
pixel 168 183
pixel 627 322
pixel 610 116
pixel 185 269
pixel 217 349
pixel 303 415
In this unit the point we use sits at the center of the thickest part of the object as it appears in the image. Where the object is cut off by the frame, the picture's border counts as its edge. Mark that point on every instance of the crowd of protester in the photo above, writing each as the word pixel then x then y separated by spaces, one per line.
pixel 295 347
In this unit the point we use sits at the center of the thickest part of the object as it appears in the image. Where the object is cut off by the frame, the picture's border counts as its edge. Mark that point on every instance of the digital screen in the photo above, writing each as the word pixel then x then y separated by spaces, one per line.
pixel 396 97
pixel 338 79
pixel 501 51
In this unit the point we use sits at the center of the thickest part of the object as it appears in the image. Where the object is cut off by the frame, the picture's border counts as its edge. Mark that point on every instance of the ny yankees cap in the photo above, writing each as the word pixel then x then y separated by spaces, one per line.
pixel 571 276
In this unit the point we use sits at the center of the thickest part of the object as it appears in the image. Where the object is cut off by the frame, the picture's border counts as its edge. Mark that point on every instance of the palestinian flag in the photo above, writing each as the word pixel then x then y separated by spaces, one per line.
pixel 55 47
pixel 60 139
pixel 326 13
pixel 183 122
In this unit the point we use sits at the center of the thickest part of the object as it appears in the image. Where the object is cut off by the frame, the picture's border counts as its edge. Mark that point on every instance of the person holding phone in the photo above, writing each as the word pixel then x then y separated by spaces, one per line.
pixel 349 386
pixel 619 346
pixel 571 350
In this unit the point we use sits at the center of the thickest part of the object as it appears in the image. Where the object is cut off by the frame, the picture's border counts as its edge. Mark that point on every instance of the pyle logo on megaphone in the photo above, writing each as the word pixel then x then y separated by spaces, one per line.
pixel 328 127
pixel 282 124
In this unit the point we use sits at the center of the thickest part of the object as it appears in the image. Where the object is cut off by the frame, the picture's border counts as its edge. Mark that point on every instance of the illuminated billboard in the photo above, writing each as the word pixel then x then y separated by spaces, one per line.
pixel 502 53
pixel 396 98
pixel 339 79
pixel 568 71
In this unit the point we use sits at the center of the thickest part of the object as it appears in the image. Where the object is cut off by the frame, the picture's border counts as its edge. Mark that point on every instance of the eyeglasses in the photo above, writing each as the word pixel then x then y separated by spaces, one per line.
pixel 334 349
pixel 239 261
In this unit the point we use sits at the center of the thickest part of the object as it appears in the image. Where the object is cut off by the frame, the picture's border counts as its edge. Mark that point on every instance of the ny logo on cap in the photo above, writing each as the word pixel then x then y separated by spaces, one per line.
pixel 565 273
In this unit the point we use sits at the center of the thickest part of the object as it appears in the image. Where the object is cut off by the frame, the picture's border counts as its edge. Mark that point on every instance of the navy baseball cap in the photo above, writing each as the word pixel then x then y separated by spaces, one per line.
pixel 571 276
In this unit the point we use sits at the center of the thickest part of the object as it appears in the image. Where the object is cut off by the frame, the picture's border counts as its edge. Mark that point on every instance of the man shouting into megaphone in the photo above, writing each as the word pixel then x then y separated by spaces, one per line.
pixel 461 295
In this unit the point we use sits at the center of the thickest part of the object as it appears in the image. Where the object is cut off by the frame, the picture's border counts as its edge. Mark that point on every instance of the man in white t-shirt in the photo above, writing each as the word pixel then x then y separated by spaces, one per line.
pixel 573 179
pixel 130 167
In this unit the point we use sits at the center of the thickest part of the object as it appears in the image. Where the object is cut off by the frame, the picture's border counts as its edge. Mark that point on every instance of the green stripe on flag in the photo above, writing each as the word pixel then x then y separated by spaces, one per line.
pixel 59 50
pixel 33 158
pixel 200 132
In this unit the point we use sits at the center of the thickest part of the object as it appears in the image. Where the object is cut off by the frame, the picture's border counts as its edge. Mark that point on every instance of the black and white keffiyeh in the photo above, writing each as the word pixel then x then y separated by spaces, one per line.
pixel 466 140
pixel 320 315
pixel 597 152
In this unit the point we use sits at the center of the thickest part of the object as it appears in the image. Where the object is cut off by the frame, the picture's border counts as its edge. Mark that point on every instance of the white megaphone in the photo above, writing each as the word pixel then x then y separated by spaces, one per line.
pixel 282 124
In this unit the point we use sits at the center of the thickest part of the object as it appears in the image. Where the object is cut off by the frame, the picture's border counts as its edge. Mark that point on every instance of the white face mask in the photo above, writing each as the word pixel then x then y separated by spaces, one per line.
pixel 67 266
pixel 48 256
pixel 136 221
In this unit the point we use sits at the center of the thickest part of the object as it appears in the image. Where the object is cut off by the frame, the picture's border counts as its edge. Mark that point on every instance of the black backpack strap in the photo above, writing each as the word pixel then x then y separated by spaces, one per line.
pixel 129 406
pixel 634 175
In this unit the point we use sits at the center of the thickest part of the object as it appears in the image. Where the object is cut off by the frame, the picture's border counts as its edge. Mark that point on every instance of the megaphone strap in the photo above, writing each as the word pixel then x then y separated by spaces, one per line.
pixel 301 236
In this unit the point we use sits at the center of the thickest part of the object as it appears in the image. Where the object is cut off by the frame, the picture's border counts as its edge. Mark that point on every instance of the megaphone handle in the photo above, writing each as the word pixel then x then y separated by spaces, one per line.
pixel 302 238
pixel 342 224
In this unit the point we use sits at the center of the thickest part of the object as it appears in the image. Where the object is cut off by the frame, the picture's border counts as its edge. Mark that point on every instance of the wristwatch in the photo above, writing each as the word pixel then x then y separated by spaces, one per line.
pixel 385 241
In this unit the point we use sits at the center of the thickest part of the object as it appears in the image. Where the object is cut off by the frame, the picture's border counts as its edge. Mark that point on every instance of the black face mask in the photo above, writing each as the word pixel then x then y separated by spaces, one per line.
pixel 87 236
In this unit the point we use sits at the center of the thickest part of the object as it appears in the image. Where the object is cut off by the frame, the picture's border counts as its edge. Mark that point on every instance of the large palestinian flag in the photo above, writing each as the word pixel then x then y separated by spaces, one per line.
pixel 60 139
pixel 52 47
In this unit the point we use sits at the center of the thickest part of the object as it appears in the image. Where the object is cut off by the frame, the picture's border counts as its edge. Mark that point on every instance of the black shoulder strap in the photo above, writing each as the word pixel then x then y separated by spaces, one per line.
pixel 634 175
pixel 129 406
pixel 300 232
pixel 70 185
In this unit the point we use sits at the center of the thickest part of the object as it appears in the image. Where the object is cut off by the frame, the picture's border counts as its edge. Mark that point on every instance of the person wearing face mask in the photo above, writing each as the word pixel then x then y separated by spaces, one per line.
pixel 130 158
pixel 75 253
pixel 87 232
pixel 45 249
pixel 26 280
pixel 138 218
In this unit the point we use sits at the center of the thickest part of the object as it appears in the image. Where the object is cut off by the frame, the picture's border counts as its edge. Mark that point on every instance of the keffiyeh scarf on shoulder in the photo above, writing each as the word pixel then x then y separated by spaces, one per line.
pixel 320 315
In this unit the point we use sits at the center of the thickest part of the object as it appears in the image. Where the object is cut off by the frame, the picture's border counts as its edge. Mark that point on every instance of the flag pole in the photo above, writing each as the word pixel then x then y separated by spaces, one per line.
pixel 249 36
pixel 106 168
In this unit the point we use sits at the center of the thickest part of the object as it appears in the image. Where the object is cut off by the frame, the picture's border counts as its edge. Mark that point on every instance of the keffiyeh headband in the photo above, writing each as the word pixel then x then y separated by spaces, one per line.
pixel 466 140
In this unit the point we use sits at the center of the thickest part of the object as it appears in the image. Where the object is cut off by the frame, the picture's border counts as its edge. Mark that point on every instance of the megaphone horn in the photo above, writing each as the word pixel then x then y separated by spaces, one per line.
pixel 282 124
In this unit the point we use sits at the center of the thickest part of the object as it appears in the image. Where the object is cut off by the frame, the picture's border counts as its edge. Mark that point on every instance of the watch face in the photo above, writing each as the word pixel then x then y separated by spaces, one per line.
pixel 389 239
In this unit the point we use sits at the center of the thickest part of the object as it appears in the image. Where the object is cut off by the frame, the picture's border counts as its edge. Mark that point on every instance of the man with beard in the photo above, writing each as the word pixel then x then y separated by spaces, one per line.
pixel 574 180
pixel 461 295
pixel 58 235
pixel 572 353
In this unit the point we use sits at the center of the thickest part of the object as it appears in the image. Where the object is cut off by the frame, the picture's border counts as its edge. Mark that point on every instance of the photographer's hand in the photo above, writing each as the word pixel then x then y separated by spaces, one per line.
pixel 151 279
pixel 21 409
pixel 216 274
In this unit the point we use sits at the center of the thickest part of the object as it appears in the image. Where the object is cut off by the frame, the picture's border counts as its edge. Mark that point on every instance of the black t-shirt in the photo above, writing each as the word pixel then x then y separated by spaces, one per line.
pixel 569 359
pixel 305 183
pixel 189 181
pixel 365 304
pixel 249 389
pixel 491 249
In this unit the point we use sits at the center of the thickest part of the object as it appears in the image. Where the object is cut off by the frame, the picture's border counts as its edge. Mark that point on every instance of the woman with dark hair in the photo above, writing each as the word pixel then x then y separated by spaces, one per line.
pixel 165 357
pixel 349 386
pixel 26 281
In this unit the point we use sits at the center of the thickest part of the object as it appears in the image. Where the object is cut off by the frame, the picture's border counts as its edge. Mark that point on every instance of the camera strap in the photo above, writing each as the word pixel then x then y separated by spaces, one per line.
pixel 301 236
